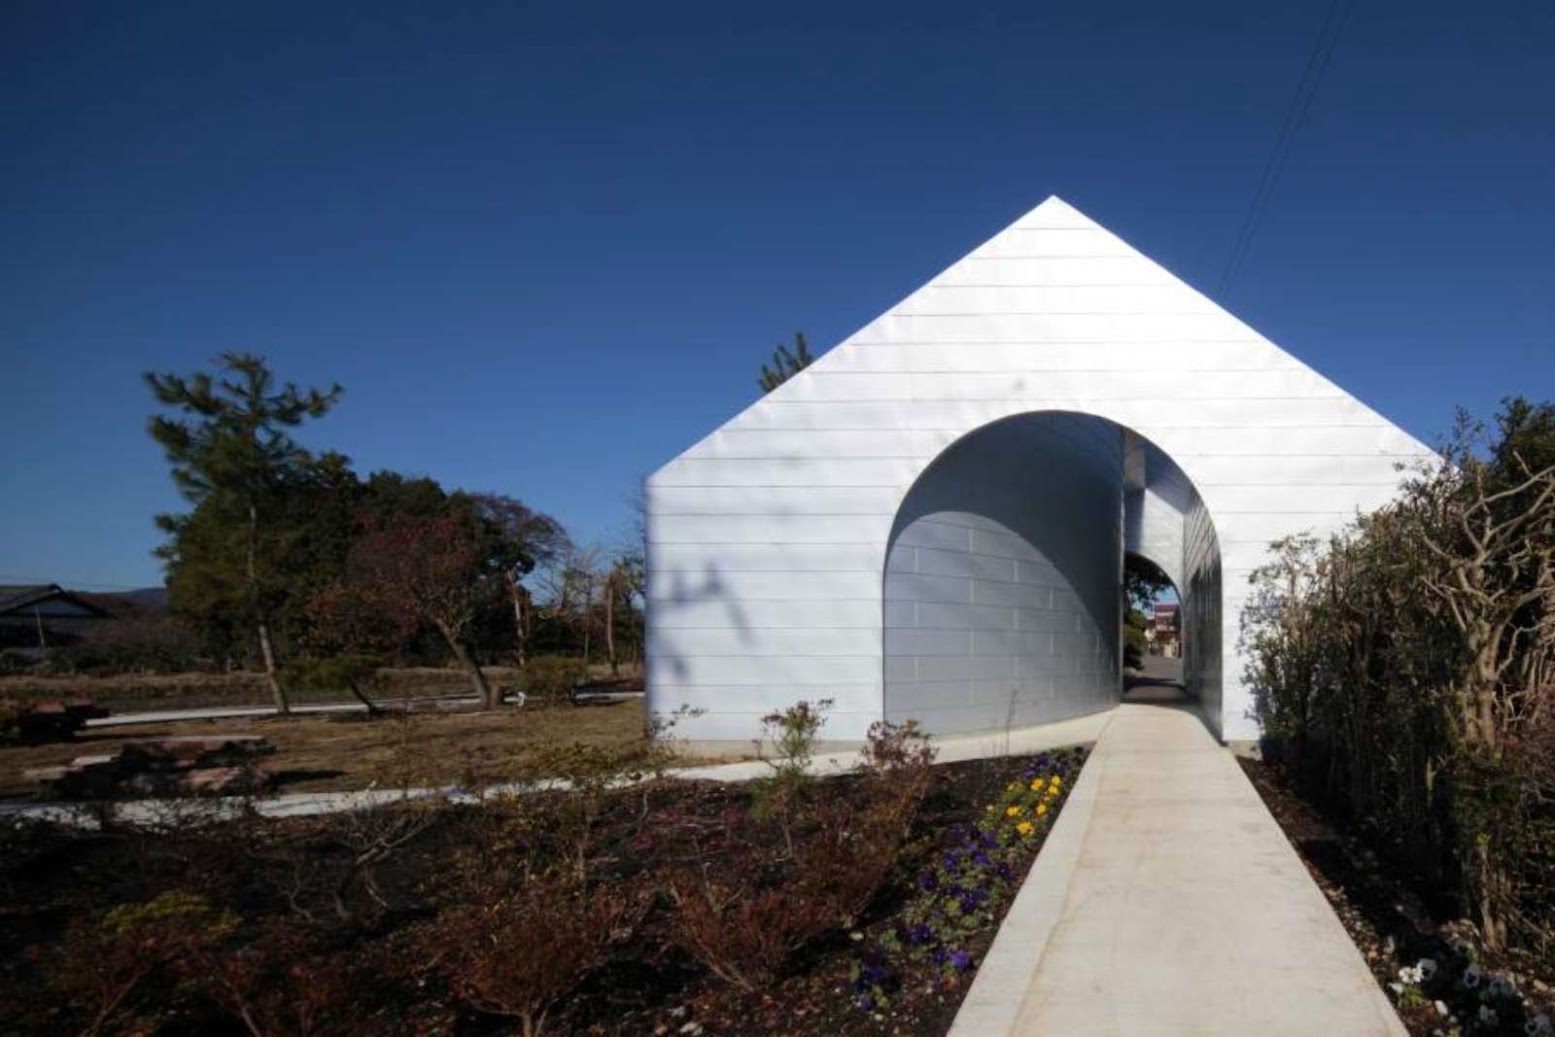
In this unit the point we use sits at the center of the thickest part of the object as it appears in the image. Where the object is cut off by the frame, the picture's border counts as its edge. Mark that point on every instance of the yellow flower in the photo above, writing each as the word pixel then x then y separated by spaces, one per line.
pixel 1041 809
pixel 1025 828
pixel 1036 785
pixel 1057 781
pixel 1012 812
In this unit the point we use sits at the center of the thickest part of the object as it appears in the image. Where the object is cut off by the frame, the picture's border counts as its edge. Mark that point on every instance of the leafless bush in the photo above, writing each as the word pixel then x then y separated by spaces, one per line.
pixel 519 952
pixel 739 929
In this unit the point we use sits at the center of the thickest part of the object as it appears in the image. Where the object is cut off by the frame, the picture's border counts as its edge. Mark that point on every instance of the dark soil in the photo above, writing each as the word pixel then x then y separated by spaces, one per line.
pixel 814 996
pixel 51 879
pixel 1395 918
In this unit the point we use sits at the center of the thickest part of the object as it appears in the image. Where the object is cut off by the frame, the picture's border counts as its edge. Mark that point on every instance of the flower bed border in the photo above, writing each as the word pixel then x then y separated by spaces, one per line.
pixel 994 1000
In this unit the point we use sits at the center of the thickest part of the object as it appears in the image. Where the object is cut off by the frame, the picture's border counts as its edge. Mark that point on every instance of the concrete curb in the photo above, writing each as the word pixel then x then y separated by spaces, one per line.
pixel 1075 731
pixel 993 1003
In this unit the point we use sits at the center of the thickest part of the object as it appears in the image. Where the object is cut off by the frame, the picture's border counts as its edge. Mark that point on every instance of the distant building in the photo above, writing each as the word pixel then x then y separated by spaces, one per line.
pixel 1163 635
pixel 43 615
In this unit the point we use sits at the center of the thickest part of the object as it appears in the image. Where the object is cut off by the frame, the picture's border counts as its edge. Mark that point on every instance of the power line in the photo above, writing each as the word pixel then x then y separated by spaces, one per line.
pixel 1306 89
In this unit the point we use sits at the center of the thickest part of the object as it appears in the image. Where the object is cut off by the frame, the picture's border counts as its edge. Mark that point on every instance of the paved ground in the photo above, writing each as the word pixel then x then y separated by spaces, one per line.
pixel 1078 731
pixel 450 702
pixel 1167 901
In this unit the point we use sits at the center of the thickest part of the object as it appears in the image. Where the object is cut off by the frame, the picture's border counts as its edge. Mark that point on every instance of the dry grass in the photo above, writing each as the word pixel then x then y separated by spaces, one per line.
pixel 132 692
pixel 350 751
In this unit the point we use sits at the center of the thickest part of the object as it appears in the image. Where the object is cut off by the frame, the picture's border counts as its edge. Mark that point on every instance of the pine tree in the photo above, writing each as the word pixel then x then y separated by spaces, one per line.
pixel 233 459
pixel 785 364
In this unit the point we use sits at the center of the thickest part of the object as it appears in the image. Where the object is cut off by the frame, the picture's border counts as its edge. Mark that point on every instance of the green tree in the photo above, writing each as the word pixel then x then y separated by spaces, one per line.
pixel 785 363
pixel 514 540
pixel 1143 581
pixel 1134 643
pixel 233 458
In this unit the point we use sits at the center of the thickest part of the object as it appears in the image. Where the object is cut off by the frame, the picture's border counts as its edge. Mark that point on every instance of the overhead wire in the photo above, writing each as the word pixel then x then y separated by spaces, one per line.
pixel 1279 156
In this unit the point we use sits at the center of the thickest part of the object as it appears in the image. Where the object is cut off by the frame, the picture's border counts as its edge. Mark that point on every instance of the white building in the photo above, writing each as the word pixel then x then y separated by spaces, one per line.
pixel 930 520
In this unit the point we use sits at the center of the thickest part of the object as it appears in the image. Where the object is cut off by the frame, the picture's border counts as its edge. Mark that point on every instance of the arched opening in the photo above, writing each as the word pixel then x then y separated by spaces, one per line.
pixel 1003 601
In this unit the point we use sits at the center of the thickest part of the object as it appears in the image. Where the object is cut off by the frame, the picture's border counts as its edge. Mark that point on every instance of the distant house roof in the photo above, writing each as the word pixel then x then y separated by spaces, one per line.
pixel 46 599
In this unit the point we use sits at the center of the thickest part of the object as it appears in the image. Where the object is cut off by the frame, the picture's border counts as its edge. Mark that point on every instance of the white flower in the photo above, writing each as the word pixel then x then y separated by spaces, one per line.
pixel 1538 1026
pixel 1427 968
pixel 1487 1015
pixel 1471 977
pixel 1410 975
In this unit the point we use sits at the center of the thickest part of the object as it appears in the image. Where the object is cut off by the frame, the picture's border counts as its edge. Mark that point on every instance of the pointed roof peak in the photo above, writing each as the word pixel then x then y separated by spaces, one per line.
pixel 1053 212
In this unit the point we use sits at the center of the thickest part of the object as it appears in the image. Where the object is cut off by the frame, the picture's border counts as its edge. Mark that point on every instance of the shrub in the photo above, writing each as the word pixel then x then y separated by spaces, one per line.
pixel 358 674
pixel 897 761
pixel 138 644
pixel 847 854
pixel 850 851
pixel 109 959
pixel 591 773
pixel 1406 669
pixel 518 953
pixel 279 983
pixel 741 929
pixel 550 679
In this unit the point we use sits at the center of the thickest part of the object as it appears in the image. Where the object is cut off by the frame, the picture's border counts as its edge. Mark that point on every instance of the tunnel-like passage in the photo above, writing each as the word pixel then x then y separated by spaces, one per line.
pixel 1003 582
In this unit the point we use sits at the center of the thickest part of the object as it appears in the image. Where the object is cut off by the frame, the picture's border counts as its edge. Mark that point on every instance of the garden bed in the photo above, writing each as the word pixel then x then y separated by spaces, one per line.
pixel 854 905
pixel 1398 923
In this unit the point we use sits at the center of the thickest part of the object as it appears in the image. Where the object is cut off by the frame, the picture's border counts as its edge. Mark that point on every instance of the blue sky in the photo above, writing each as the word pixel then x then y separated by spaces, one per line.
pixel 545 247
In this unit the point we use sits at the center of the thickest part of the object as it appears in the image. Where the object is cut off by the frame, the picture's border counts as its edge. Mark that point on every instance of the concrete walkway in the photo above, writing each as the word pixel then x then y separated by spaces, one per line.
pixel 1168 901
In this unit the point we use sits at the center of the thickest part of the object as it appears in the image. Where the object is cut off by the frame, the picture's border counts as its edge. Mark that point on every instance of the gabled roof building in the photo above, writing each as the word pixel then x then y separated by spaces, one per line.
pixel 930 520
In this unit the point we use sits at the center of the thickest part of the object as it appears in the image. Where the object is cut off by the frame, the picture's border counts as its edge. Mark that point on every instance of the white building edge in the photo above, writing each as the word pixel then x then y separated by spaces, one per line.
pixel 930 520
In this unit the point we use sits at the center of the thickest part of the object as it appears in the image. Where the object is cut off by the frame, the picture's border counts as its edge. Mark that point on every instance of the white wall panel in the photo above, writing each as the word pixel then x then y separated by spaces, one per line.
pixel 768 539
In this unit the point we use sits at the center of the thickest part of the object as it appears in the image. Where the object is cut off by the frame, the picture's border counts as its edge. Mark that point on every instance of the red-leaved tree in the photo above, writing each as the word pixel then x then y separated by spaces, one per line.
pixel 432 566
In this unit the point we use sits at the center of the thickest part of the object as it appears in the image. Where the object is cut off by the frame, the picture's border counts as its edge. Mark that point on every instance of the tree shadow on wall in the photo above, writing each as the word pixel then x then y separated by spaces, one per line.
pixel 685 594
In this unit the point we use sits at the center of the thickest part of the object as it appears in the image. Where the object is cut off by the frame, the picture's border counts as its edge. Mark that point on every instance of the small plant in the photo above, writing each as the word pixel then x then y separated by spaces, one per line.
pixel 790 734
pixel 897 762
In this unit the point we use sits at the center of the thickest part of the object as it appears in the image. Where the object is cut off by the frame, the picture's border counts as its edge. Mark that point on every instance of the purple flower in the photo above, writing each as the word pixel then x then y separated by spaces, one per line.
pixel 959 960
pixel 919 934
pixel 952 859
pixel 928 882
pixel 867 1003
pixel 980 859
pixel 940 956
pixel 1004 871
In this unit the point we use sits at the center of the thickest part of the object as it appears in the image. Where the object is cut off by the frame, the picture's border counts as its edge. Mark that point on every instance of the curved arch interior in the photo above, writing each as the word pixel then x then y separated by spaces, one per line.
pixel 1002 601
